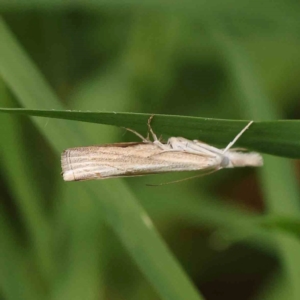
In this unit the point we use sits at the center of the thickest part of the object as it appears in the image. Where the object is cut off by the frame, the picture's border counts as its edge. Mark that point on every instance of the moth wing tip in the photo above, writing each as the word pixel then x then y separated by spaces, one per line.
pixel 68 176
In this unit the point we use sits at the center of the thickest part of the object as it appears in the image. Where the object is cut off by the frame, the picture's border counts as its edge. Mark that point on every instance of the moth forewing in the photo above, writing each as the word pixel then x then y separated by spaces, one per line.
pixel 132 159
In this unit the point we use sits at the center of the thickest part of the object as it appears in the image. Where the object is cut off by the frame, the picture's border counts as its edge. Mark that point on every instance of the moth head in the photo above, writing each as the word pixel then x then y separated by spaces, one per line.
pixel 178 143
pixel 239 159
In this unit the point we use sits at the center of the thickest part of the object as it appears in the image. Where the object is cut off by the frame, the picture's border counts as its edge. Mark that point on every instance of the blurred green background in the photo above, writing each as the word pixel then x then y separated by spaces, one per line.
pixel 230 60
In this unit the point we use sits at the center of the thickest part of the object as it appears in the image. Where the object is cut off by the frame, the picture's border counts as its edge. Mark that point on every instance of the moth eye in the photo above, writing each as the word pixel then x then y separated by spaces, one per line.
pixel 224 162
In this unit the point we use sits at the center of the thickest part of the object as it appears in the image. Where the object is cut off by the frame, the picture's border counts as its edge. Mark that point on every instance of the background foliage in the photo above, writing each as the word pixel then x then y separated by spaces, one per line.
pixel 232 235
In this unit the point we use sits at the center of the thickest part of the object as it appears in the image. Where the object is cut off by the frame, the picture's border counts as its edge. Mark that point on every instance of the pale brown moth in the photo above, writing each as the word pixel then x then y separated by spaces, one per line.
pixel 152 157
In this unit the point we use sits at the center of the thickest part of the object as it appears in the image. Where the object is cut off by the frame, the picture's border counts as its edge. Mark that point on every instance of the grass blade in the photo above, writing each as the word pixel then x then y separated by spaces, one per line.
pixel 275 137
pixel 116 205
pixel 277 172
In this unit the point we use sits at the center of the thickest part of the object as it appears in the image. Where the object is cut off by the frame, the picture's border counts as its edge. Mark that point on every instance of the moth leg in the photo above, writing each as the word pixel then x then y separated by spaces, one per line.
pixel 237 137
pixel 188 178
pixel 151 130
pixel 148 136
pixel 145 140
pixel 156 141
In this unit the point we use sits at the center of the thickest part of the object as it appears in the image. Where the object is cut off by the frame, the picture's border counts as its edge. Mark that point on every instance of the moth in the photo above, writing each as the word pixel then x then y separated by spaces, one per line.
pixel 152 157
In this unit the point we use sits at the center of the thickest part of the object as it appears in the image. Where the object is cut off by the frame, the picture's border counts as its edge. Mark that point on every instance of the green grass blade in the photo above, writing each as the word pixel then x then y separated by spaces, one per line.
pixel 17 169
pixel 275 137
pixel 14 280
pixel 113 201
pixel 277 177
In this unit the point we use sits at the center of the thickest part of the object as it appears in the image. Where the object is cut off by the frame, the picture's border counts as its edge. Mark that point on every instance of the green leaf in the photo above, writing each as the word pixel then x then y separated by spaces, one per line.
pixel 278 180
pixel 288 224
pixel 111 201
pixel 280 138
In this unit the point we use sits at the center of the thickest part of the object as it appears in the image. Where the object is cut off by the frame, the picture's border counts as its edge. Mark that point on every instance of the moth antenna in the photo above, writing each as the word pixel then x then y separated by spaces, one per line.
pixel 237 137
pixel 184 179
